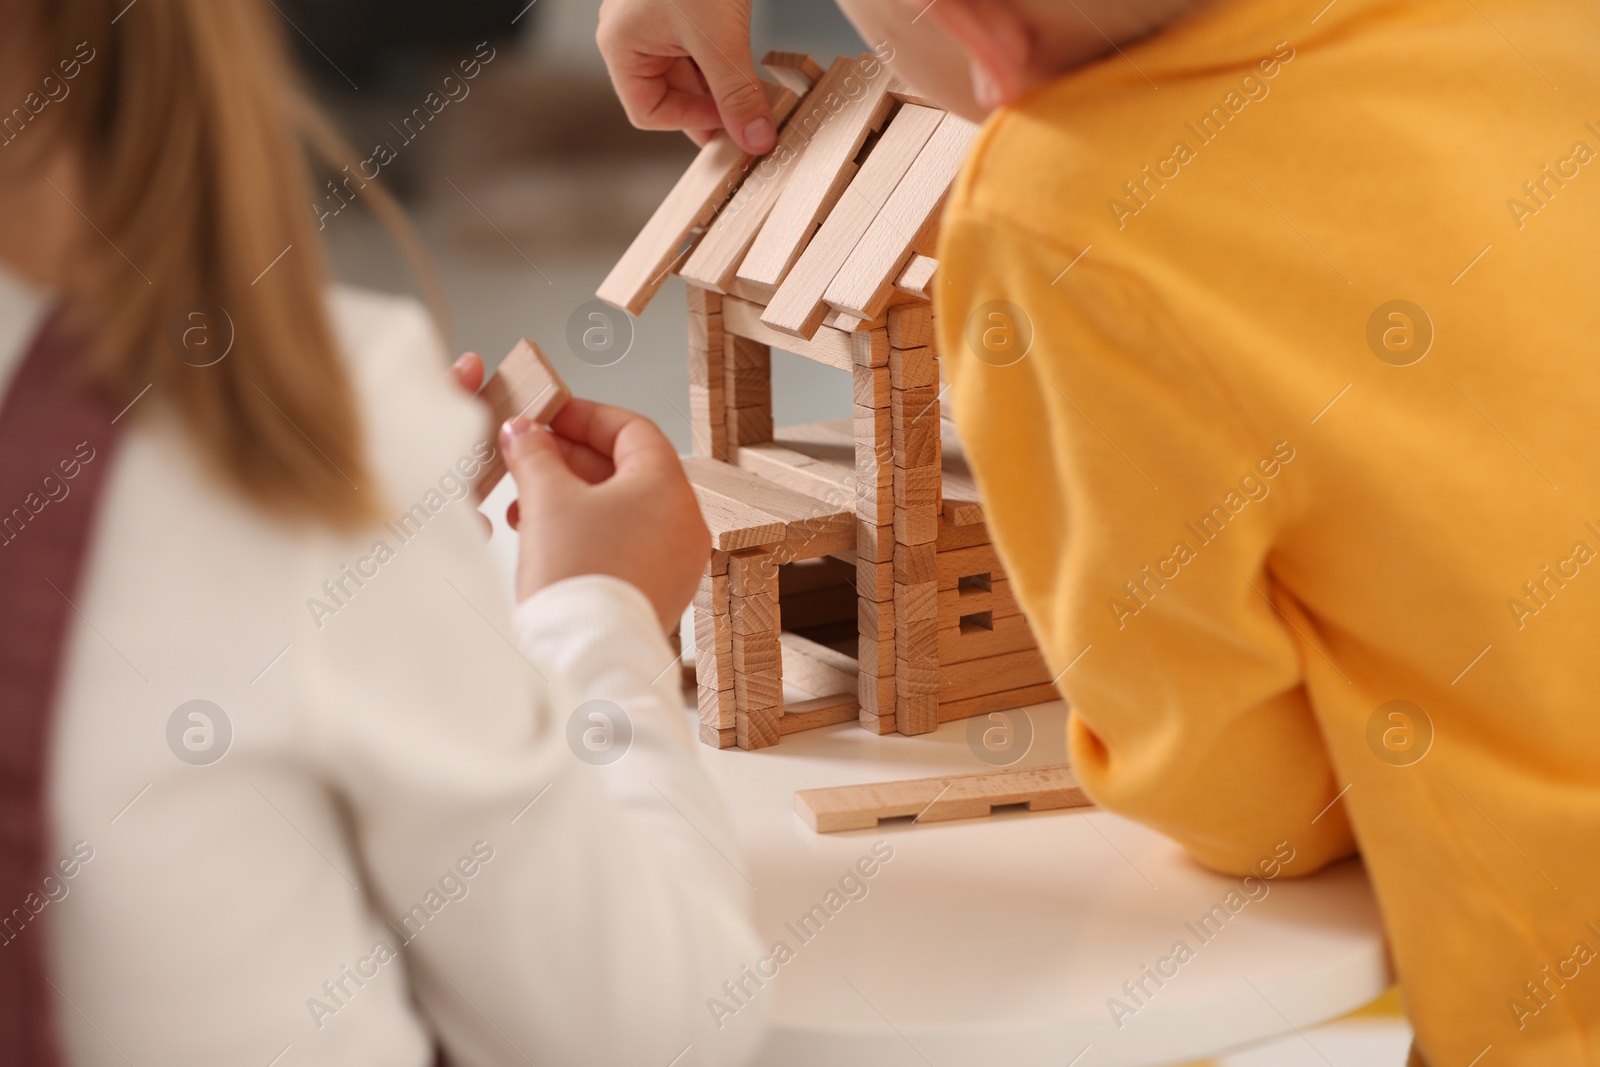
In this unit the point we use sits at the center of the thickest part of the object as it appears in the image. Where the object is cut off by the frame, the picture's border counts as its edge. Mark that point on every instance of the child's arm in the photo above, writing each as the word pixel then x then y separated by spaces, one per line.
pixel 1101 455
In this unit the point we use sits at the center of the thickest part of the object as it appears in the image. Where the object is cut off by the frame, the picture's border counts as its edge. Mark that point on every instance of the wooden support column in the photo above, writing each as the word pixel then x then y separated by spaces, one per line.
pixel 747 378
pixel 708 404
pixel 757 654
pixel 915 440
pixel 875 606
pixel 713 655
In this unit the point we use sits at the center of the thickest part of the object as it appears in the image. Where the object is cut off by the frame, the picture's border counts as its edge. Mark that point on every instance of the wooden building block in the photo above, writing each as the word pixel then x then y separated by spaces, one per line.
pixel 705 329
pixel 995 599
pixel 707 412
pixel 952 536
pixel 819 711
pixel 915 526
pixel 1012 670
pixel 797 307
pixel 746 511
pixel 710 735
pixel 916 278
pixel 748 426
pixel 959 644
pixel 952 710
pixel 702 189
pixel 795 71
pixel 860 807
pixel 753 653
pixel 757 727
pixel 713 632
pixel 870 386
pixel 712 669
pixel 836 348
pixel 875 581
pixel 711 595
pixel 907 95
pixel 918 487
pixel 916 603
pixel 716 707
pixel 756 614
pixel 875 657
pixel 910 325
pixel 524 385
pixel 863 285
pixel 752 573
pixel 875 543
pixel 876 702
pixel 715 259
pixel 910 368
pixel 705 301
pixel 955 564
pixel 916 565
pixel 757 690
pixel 834 138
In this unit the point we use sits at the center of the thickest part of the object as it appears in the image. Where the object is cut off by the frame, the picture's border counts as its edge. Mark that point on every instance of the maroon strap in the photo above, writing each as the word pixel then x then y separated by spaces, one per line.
pixel 57 439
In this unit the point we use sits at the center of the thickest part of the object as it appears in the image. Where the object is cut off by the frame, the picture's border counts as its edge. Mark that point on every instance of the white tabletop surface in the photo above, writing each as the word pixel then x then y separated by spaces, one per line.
pixel 999 941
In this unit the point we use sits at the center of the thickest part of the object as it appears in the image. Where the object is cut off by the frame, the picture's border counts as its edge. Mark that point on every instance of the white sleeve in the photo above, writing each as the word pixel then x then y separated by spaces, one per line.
pixel 553 907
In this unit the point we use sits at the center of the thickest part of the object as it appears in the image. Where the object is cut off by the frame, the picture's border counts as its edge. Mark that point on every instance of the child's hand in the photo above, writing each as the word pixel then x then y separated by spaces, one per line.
pixel 603 492
pixel 685 65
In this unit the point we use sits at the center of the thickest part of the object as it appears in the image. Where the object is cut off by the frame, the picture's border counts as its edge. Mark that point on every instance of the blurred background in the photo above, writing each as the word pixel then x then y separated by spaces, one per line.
pixel 528 186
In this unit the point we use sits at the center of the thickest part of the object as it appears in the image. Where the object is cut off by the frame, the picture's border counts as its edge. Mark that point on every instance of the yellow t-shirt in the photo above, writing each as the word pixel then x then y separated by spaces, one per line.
pixel 1273 342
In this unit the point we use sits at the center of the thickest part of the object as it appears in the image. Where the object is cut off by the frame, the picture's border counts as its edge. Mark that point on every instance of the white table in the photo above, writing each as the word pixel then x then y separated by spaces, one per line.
pixel 999 941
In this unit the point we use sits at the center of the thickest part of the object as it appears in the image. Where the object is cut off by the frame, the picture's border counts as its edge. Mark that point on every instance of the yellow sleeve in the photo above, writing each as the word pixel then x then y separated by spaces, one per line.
pixel 1135 508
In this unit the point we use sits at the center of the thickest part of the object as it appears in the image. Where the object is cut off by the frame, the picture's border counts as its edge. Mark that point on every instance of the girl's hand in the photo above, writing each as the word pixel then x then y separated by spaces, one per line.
pixel 686 65
pixel 603 492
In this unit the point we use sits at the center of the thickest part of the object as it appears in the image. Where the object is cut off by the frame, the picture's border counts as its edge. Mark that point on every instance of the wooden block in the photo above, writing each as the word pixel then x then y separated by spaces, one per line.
pixel 952 536
pixel 819 711
pixel 752 573
pixel 794 71
pixel 758 689
pixel 817 668
pixel 835 136
pixel 911 325
pixel 1010 633
pixel 748 426
pixel 870 386
pixel 739 506
pixel 910 407
pixel 735 525
pixel 876 697
pixel 710 735
pixel 711 595
pixel 915 526
pixel 718 563
pixel 705 330
pixel 525 384
pixel 916 565
pixel 713 669
pixel 997 600
pixel 747 372
pixel 755 614
pixel 754 653
pixel 875 543
pixel 863 284
pixel 916 278
pixel 919 603
pixel 702 189
pixel 875 619
pixel 875 581
pixel 967 796
pixel 949 711
pixel 959 563
pixel 797 307
pixel 905 94
pixel 911 368
pixel 757 727
pixel 918 487
pixel 875 657
pixel 708 419
pixel 836 348
pixel 719 253
pixel 716 707
pixel 713 632
pixel 916 443
pixel 1012 670
pixel 705 301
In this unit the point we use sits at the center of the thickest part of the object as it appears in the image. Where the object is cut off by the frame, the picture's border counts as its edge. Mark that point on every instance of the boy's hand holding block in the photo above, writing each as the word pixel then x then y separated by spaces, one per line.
pixel 524 384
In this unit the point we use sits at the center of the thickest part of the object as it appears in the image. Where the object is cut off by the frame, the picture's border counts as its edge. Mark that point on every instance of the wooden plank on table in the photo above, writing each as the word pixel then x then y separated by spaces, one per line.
pixel 965 796
pixel 817 668
pixel 836 138
pixel 715 259
pixel 797 471
pixel 797 306
pixel 862 286
pixel 820 711
pixel 702 189
pixel 730 496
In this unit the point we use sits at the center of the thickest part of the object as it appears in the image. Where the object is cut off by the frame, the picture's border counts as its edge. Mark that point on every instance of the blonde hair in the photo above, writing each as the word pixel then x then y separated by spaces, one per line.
pixel 189 130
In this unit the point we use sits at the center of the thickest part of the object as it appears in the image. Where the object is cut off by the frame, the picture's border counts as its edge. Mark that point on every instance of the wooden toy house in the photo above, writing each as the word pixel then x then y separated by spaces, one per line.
pixel 850 557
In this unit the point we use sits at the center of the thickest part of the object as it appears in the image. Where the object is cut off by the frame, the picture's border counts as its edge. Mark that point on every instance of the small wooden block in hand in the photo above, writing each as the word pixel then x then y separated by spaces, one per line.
pixel 524 384
pixel 965 796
